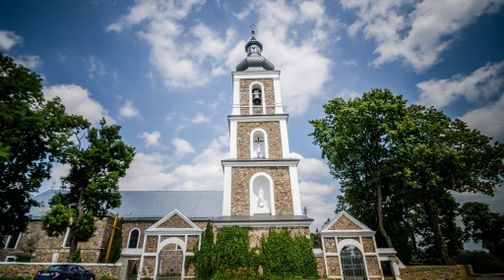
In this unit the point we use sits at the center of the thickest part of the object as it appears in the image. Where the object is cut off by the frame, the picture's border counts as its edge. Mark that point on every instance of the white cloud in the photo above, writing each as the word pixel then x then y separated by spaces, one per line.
pixel 29 61
pixel 156 172
pixel 8 39
pixel 348 94
pixel 350 62
pixel 489 119
pixel 128 110
pixel 199 118
pixel 320 200
pixel 77 100
pixel 184 56
pixel 483 83
pixel 300 55
pixel 419 37
pixel 182 147
pixel 151 138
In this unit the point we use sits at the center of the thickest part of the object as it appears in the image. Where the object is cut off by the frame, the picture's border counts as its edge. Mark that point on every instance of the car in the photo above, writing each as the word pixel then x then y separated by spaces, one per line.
pixel 64 272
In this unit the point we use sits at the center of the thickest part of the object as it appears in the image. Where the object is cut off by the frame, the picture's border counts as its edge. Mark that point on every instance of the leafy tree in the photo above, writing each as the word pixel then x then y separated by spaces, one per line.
pixel 355 138
pixel 91 187
pixel 33 133
pixel 483 226
pixel 204 257
pixel 400 163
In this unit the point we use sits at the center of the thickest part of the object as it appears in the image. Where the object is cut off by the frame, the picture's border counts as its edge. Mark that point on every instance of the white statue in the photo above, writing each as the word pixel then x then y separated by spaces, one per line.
pixel 261 202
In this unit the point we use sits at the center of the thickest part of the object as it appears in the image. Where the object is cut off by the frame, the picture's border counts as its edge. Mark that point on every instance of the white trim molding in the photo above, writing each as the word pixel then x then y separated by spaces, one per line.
pixel 296 196
pixel 259 162
pixel 226 194
pixel 271 192
pixel 129 238
pixel 263 98
pixel 257 118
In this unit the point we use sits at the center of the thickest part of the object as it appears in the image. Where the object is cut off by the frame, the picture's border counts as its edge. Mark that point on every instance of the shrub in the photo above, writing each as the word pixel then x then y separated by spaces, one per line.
pixel 232 249
pixel 204 257
pixel 75 257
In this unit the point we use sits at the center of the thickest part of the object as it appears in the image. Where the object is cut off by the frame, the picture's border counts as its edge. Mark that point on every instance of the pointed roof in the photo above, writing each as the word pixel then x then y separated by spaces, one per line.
pixel 344 222
pixel 254 60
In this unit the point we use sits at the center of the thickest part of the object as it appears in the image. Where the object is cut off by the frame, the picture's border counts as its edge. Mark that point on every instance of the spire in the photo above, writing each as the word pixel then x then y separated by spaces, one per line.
pixel 254 59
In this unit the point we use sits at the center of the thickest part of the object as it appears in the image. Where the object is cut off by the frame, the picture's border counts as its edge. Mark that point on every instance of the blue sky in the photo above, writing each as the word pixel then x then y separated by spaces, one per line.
pixel 161 69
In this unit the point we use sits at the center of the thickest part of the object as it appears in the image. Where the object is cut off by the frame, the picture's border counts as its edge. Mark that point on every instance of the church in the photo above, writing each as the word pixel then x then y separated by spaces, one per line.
pixel 160 229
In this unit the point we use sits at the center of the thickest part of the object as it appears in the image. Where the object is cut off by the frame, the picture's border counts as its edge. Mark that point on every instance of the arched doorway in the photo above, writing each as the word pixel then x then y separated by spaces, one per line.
pixel 352 263
pixel 171 258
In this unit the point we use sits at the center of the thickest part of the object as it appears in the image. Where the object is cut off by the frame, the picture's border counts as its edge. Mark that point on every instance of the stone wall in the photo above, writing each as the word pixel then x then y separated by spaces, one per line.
pixel 434 272
pixel 344 223
pixel 330 245
pixel 29 269
pixel 321 267
pixel 127 226
pixel 174 221
pixel 35 242
pixel 255 234
pixel 273 136
pixel 240 178
pixel 268 95
pixel 333 266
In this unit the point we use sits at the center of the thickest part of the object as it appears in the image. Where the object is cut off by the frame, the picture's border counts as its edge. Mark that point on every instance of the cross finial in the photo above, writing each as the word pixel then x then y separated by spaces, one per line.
pixel 252 30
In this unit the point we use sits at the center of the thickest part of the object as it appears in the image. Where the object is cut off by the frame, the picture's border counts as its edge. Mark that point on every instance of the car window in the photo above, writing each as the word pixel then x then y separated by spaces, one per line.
pixel 80 269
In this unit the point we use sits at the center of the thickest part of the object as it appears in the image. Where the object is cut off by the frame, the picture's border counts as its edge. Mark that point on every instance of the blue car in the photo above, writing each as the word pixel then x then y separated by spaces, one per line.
pixel 64 272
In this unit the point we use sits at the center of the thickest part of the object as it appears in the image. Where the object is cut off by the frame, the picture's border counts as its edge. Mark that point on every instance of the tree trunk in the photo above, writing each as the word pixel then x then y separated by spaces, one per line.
pixel 440 243
pixel 381 227
pixel 78 212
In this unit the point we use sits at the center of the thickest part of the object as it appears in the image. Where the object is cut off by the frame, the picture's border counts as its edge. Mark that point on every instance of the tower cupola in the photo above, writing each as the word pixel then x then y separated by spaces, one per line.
pixel 254 60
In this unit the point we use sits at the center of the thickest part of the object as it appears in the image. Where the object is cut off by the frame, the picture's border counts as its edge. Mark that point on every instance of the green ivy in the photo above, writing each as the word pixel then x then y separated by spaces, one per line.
pixel 76 256
pixel 204 257
pixel 232 249
pixel 115 251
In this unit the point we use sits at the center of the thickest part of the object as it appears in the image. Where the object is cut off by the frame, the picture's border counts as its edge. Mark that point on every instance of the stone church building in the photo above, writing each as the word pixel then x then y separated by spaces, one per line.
pixel 260 191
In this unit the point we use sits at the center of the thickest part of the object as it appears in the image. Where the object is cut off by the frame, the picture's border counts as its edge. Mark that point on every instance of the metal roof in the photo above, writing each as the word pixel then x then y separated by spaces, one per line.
pixel 154 204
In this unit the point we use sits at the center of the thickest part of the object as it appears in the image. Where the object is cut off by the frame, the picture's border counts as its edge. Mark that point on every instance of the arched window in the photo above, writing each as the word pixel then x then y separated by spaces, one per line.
pixel 261 194
pixel 258 144
pixel 257 102
pixel 352 263
pixel 134 236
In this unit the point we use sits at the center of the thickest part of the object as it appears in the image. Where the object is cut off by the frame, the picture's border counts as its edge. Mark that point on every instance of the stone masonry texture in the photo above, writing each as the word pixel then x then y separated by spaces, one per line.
pixel 272 129
pixel 240 178
pixel 373 266
pixel 268 95
pixel 174 221
pixel 127 226
pixel 368 245
pixel 439 272
pixel 344 223
pixel 330 245
pixel 333 267
pixel 35 242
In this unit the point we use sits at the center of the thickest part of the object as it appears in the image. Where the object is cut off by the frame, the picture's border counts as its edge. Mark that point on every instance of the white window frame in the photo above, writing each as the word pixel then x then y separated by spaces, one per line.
pixel 7 241
pixel 263 96
pixel 265 136
pixel 129 238
pixel 13 258
pixel 271 190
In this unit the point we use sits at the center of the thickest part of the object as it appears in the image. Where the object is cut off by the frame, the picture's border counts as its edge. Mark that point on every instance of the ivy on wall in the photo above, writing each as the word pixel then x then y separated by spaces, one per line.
pixel 279 255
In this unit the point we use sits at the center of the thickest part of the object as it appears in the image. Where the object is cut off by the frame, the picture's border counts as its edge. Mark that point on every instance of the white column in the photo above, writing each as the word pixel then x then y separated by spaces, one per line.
pixel 236 96
pixel 296 196
pixel 285 138
pixel 226 199
pixel 278 95
pixel 232 139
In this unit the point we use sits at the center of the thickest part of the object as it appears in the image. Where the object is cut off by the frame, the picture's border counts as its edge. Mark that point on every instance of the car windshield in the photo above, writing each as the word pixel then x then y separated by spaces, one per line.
pixel 58 267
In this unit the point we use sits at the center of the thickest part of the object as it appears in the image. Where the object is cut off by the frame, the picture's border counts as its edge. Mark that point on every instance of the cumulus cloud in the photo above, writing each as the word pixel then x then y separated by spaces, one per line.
pixel 128 110
pixel 182 147
pixel 78 101
pixel 411 31
pixel 8 39
pixel 29 61
pixel 488 119
pixel 483 83
pixel 185 57
pixel 199 118
pixel 156 172
pixel 151 138
pixel 305 68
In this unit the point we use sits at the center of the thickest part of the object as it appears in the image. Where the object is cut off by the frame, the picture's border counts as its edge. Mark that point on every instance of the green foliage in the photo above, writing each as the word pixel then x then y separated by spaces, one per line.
pixel 16 277
pixel 57 220
pixel 398 165
pixel 283 255
pixel 481 262
pixel 75 256
pixel 232 249
pixel 91 186
pixel 204 258
pixel 33 134
pixel 483 226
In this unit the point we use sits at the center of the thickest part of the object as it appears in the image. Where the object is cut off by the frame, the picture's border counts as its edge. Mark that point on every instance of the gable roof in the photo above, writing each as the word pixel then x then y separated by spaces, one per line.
pixel 343 214
pixel 159 224
pixel 153 205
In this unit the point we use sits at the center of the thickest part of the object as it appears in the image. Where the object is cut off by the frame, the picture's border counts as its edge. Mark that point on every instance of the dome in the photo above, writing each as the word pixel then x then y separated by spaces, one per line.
pixel 254 60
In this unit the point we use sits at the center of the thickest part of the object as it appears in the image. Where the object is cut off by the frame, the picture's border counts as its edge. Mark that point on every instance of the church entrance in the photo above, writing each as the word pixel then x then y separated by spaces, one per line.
pixel 171 260
pixel 352 263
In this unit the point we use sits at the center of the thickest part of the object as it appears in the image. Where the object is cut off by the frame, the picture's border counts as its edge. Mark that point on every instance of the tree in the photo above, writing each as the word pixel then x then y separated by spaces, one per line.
pixel 33 134
pixel 355 139
pixel 483 226
pixel 91 188
pixel 401 162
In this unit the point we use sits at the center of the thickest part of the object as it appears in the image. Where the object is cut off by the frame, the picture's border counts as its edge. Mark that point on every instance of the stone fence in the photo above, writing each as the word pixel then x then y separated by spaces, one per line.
pixel 435 272
pixel 29 269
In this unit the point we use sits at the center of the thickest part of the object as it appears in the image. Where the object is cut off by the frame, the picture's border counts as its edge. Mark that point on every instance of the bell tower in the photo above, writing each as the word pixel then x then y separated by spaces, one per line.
pixel 260 179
